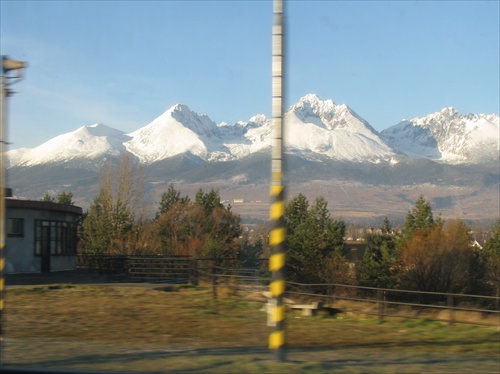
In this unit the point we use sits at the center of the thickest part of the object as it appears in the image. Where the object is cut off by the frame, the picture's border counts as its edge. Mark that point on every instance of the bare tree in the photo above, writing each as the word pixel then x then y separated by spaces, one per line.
pixel 112 213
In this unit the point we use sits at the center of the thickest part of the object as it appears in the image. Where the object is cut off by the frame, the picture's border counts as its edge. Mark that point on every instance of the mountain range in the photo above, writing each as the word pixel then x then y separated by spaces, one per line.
pixel 324 142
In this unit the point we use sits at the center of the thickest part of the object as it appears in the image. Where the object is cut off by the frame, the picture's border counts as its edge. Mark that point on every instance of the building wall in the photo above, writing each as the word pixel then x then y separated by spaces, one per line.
pixel 20 249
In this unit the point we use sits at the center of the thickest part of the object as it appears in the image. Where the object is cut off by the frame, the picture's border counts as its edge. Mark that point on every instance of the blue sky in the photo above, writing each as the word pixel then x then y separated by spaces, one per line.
pixel 123 63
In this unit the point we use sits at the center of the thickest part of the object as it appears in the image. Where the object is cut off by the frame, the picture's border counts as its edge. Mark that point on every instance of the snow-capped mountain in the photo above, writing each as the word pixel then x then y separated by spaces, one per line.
pixel 328 145
pixel 177 131
pixel 448 136
pixel 180 130
pixel 95 142
pixel 315 130
pixel 320 127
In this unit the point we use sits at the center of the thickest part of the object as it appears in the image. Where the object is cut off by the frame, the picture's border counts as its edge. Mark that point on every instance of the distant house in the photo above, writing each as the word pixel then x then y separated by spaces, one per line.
pixel 40 236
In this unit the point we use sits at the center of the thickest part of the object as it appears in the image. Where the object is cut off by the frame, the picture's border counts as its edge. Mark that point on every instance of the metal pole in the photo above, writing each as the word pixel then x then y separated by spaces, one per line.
pixel 8 66
pixel 277 209
pixel 4 93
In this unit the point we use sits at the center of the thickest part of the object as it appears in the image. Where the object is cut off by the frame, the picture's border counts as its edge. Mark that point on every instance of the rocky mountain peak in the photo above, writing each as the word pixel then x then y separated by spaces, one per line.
pixel 448 136
pixel 315 129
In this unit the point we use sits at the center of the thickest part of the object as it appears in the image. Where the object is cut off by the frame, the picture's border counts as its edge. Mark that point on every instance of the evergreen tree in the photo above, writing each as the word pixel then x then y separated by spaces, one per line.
pixel 48 198
pixel 296 213
pixel 204 228
pixel 62 198
pixel 387 227
pixel 491 254
pixel 65 198
pixel 250 252
pixel 423 214
pixel 420 218
pixel 313 238
pixel 379 263
pixel 492 245
pixel 169 198
pixel 209 201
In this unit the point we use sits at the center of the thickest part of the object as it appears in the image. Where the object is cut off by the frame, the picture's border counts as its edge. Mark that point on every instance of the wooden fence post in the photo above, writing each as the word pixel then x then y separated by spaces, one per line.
pixel 214 281
pixel 331 296
pixel 451 307
pixel 381 303
pixel 194 272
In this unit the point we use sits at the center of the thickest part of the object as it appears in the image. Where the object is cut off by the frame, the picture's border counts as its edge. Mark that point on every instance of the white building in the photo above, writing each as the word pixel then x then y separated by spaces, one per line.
pixel 40 236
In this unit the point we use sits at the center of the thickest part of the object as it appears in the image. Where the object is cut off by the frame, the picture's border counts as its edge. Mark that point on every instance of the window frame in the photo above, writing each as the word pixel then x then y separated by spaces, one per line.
pixel 60 236
pixel 11 225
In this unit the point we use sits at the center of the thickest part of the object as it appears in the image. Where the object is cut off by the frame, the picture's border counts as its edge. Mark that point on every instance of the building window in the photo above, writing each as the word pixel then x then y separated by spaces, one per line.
pixel 55 238
pixel 15 227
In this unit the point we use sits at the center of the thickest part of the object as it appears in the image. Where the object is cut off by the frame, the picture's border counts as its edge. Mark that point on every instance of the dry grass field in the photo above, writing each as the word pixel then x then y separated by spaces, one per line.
pixel 161 329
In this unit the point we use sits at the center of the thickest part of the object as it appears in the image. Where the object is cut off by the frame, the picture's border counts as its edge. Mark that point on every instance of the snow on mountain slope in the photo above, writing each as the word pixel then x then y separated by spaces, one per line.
pixel 448 136
pixel 180 130
pixel 245 138
pixel 177 131
pixel 87 142
pixel 315 129
pixel 321 127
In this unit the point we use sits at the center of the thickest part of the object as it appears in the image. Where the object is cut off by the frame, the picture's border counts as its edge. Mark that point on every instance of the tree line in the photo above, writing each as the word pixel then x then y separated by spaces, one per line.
pixel 429 254
pixel 181 227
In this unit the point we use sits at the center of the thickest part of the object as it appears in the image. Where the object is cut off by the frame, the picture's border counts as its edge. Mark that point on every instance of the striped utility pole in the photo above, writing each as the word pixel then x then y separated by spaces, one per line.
pixel 277 210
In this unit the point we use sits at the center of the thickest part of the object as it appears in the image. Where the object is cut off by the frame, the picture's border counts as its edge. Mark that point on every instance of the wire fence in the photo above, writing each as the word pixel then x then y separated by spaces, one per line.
pixel 381 302
pixel 332 298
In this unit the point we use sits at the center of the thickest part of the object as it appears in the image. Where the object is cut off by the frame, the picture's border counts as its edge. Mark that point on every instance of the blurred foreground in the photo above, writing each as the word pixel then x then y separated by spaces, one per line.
pixel 158 328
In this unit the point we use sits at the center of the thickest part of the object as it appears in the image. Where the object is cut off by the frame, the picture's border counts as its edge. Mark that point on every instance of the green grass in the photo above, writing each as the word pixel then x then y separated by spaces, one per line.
pixel 184 329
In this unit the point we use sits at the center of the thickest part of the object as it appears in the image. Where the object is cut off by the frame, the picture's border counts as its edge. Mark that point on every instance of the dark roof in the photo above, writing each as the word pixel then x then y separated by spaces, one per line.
pixel 42 205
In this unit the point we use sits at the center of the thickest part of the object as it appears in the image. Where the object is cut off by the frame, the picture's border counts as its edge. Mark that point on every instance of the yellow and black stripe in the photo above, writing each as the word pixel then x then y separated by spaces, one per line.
pixel 277 267
pixel 277 210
